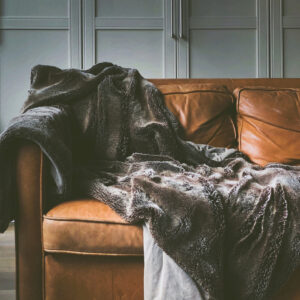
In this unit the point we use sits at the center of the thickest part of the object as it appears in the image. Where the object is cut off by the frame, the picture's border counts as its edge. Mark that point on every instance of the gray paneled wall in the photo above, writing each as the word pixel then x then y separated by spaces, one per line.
pixel 226 39
pixel 162 38
pixel 34 32
pixel 132 33
pixel 291 52
pixel 285 38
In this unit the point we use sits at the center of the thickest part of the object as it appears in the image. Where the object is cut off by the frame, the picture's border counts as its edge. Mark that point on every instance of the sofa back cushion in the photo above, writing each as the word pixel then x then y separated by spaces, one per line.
pixel 205 111
pixel 269 124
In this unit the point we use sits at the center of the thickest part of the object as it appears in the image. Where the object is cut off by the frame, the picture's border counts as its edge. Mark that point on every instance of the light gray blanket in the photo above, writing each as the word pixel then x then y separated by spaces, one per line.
pixel 231 225
pixel 163 278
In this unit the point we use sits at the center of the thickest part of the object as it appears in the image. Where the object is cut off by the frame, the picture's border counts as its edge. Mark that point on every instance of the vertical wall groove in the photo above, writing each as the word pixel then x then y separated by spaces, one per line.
pixel 75 34
pixel 276 40
pixel 89 33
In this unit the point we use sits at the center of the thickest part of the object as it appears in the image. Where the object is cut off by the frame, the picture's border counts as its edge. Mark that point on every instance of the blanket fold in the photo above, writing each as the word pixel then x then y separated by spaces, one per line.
pixel 231 225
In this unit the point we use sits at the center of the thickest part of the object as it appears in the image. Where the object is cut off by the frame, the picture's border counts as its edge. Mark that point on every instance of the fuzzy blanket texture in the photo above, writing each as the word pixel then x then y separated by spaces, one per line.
pixel 233 226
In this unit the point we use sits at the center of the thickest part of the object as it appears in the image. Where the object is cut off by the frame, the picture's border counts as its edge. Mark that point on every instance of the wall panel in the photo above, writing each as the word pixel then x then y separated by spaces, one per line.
pixel 291 51
pixel 129 8
pixel 38 47
pixel 291 38
pixel 224 39
pixel 233 57
pixel 34 32
pixel 34 8
pixel 130 33
pixel 141 49
pixel 285 37
pixel 291 8
pixel 212 8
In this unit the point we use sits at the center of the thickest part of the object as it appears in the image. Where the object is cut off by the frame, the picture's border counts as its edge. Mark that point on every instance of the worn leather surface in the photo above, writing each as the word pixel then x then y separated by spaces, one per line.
pixel 205 111
pixel 85 210
pixel 291 289
pixel 90 227
pixel 80 277
pixel 269 124
pixel 29 257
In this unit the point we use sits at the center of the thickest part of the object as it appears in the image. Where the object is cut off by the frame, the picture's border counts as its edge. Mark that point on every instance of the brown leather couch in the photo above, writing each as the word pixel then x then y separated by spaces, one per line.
pixel 81 249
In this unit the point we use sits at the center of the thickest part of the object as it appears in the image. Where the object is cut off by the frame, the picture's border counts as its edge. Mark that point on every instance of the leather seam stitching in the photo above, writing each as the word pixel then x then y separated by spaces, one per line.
pixel 91 253
pixel 86 221
pixel 269 89
pixel 197 91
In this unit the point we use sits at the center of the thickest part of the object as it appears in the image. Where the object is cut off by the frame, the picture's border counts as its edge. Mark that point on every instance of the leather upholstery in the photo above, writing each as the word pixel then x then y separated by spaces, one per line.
pixel 290 290
pixel 205 111
pixel 92 228
pixel 269 124
pixel 97 273
pixel 85 209
pixel 81 277
pixel 29 254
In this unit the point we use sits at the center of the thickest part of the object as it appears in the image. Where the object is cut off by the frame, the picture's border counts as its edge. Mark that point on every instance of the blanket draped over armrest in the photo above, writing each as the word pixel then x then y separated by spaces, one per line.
pixel 231 225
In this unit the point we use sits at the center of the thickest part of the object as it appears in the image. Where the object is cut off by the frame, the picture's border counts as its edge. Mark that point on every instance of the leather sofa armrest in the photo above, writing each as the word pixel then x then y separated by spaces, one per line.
pixel 28 225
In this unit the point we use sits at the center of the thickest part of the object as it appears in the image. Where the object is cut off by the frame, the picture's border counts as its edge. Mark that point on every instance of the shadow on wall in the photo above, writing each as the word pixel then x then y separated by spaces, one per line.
pixel 1 21
pixel 1 40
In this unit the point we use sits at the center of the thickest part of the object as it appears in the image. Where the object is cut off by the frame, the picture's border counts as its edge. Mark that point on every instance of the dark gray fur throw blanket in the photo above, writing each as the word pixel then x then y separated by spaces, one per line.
pixel 233 226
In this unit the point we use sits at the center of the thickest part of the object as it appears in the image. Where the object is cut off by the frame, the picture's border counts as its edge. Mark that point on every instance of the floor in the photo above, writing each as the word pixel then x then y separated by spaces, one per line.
pixel 7 264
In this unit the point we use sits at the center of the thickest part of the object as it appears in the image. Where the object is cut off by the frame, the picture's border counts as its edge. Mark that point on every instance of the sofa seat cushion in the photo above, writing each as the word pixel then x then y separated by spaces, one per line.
pixel 269 124
pixel 205 112
pixel 90 227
